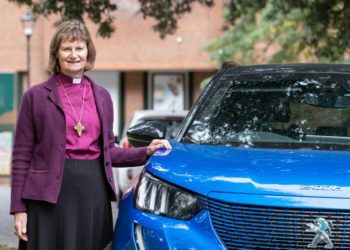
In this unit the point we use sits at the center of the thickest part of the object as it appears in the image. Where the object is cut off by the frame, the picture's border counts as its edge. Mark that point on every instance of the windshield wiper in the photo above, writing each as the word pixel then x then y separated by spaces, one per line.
pixel 293 132
pixel 297 134
pixel 187 139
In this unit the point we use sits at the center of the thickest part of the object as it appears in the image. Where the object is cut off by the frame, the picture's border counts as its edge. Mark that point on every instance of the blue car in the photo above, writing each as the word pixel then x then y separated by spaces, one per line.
pixel 262 161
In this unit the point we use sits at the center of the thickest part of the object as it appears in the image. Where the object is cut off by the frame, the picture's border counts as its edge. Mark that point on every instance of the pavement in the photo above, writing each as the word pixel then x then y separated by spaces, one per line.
pixel 7 237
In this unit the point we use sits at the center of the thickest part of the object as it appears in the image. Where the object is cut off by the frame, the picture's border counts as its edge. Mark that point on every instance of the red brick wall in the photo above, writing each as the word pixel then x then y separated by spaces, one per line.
pixel 134 45
pixel 198 77
pixel 134 96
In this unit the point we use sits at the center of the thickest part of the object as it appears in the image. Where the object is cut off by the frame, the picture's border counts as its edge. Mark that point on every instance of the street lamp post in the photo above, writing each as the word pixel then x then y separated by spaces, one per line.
pixel 28 23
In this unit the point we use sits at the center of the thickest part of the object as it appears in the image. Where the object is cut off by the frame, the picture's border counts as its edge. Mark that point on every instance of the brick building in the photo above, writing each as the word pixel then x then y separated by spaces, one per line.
pixel 135 65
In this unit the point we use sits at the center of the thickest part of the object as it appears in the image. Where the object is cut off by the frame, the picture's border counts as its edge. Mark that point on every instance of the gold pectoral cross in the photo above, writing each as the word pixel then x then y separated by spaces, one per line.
pixel 79 128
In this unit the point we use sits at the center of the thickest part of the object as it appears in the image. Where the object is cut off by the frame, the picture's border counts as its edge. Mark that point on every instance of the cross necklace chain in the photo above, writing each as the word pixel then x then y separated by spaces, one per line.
pixel 79 128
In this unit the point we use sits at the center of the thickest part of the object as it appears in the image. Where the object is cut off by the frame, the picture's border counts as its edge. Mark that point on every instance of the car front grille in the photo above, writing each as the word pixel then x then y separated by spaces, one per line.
pixel 258 227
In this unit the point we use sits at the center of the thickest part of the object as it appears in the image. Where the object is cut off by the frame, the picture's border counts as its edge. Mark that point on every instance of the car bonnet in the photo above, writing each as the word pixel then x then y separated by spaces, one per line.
pixel 220 170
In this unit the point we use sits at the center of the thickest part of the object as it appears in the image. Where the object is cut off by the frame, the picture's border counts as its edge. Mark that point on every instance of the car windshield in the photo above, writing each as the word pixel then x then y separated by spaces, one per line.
pixel 311 111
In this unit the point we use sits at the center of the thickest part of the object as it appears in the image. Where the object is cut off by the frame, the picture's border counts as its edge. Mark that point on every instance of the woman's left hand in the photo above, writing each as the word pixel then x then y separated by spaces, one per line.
pixel 157 144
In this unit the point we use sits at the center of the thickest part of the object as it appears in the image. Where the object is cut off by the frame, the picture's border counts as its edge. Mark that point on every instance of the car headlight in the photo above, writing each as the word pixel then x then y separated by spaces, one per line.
pixel 160 198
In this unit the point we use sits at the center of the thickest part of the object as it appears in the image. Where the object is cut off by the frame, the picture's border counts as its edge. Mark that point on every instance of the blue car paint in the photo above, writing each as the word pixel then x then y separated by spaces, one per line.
pixel 282 201
pixel 245 176
pixel 195 233
pixel 203 169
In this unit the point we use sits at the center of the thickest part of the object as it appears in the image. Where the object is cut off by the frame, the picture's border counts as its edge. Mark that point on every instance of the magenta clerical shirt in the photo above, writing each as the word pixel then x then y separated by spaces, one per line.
pixel 87 146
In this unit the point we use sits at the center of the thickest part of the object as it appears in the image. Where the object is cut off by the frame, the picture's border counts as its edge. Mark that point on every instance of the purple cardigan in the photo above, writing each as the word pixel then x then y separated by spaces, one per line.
pixel 40 141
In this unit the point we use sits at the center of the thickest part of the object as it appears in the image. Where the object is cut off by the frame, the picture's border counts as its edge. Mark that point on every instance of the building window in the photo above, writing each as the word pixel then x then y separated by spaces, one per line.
pixel 168 91
pixel 110 81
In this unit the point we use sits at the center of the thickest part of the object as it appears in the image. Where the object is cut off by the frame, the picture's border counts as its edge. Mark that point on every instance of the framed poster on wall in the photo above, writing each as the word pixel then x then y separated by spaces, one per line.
pixel 168 91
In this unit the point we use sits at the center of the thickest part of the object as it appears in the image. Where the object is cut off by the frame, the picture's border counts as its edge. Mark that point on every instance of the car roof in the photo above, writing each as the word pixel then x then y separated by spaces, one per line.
pixel 287 68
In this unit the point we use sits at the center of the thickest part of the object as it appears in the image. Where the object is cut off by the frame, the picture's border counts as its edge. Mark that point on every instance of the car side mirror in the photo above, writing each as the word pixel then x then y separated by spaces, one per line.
pixel 142 134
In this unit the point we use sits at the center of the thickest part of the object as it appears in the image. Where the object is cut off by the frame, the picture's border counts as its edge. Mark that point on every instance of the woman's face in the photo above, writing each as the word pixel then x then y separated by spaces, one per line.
pixel 72 55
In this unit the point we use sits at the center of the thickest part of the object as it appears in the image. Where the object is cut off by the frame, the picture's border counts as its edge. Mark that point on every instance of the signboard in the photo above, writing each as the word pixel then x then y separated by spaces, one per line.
pixel 6 93
pixel 6 140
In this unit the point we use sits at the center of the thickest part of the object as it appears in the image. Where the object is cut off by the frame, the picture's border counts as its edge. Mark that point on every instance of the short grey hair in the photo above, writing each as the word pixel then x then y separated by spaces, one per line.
pixel 71 30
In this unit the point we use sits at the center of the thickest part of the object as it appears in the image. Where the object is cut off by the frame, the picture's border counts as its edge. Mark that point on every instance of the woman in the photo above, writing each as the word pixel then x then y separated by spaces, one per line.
pixel 63 153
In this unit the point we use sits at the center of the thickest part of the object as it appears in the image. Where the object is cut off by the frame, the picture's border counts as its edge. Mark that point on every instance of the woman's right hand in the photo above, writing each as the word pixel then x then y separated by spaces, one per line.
pixel 20 224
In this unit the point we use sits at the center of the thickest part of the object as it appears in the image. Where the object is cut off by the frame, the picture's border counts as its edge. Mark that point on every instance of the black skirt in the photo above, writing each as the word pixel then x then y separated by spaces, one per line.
pixel 82 217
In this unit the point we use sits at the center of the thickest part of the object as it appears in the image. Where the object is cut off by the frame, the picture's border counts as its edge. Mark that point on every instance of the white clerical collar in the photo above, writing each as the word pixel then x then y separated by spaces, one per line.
pixel 76 80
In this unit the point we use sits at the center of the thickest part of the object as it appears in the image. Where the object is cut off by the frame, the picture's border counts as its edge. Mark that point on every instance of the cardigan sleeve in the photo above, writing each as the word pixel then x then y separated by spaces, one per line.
pixel 128 157
pixel 22 153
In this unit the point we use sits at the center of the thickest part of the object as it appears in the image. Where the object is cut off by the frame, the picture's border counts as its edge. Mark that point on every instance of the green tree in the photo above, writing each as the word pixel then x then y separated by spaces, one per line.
pixel 316 30
pixel 165 12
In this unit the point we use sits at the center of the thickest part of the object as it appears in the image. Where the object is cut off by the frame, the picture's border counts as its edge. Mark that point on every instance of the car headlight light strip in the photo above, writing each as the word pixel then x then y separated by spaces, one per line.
pixel 160 198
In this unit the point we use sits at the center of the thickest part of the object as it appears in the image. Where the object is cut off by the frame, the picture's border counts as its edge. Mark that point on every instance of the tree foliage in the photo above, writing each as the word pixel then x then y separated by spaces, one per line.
pixel 165 12
pixel 98 11
pixel 315 30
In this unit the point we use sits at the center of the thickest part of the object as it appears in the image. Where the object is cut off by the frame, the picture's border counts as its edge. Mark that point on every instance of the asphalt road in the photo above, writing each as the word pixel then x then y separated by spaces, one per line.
pixel 7 236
